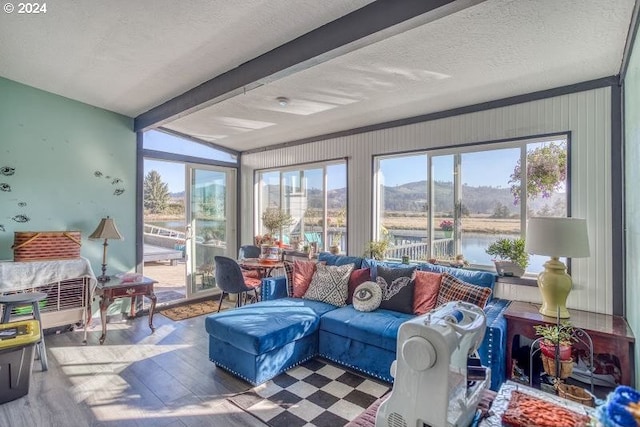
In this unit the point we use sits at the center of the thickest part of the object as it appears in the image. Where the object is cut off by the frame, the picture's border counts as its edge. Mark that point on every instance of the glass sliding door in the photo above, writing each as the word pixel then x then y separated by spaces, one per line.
pixel 211 229
pixel 164 227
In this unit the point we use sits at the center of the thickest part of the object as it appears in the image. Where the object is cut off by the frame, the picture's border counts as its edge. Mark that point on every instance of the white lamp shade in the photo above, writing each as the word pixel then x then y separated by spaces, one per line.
pixel 557 237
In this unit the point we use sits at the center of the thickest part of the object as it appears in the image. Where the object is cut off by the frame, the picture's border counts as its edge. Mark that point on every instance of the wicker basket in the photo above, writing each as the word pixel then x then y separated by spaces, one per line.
pixel 575 393
pixel 45 245
pixel 549 365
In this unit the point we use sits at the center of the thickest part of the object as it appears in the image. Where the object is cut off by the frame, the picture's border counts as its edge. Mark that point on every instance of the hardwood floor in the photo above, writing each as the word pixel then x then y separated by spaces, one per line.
pixel 135 379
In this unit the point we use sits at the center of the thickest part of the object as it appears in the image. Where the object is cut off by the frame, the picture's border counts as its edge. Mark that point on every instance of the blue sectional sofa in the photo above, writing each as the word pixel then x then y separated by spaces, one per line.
pixel 258 341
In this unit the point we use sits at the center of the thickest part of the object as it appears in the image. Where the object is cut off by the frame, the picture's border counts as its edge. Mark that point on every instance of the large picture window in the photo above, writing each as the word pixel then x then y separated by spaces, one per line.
pixel 442 203
pixel 313 197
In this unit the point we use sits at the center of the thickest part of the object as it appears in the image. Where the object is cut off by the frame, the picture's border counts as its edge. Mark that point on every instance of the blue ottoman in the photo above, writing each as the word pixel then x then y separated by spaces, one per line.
pixel 257 342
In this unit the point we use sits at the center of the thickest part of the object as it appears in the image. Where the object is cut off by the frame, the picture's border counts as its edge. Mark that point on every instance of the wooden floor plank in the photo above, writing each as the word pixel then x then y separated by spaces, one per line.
pixel 136 379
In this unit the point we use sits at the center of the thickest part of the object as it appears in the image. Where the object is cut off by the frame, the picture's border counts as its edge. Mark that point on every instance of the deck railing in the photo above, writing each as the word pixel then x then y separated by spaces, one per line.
pixel 440 248
pixel 165 232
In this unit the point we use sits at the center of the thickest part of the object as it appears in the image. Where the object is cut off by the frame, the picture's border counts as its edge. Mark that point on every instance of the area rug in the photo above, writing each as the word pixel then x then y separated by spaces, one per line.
pixel 315 393
pixel 187 311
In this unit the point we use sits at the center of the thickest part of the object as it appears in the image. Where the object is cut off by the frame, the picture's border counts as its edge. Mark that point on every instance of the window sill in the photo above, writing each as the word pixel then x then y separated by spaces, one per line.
pixel 523 281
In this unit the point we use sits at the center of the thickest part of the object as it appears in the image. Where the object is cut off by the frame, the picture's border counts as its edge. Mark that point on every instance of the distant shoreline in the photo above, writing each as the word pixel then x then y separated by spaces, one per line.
pixel 471 224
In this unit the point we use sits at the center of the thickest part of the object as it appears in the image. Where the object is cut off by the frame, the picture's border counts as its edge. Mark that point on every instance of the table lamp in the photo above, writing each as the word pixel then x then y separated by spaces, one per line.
pixel 556 237
pixel 106 230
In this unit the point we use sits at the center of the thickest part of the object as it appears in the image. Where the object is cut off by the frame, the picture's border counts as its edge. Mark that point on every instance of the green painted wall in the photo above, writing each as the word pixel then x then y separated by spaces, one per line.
pixel 56 146
pixel 632 196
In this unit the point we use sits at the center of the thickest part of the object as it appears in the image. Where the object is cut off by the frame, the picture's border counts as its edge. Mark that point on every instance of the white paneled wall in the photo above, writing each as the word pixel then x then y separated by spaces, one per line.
pixel 632 197
pixel 587 115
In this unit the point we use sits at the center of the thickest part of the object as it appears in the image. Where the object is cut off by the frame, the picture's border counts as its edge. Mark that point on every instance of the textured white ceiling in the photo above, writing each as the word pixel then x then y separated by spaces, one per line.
pixel 490 51
pixel 129 56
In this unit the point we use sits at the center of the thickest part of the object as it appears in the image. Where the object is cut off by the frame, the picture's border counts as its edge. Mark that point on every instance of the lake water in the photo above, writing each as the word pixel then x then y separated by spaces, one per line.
pixel 473 245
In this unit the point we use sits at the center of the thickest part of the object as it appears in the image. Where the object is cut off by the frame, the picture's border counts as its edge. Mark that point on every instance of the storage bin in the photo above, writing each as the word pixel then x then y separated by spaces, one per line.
pixel 45 245
pixel 17 343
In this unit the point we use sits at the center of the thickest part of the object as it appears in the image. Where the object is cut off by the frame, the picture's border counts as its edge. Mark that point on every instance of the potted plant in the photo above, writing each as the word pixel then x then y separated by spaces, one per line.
pixel 512 258
pixel 555 344
pixel 446 225
pixel 335 248
pixel 274 219
pixel 377 249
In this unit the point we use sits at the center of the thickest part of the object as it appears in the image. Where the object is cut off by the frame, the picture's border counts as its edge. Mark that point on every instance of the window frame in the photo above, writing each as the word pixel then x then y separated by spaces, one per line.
pixel 324 164
pixel 457 151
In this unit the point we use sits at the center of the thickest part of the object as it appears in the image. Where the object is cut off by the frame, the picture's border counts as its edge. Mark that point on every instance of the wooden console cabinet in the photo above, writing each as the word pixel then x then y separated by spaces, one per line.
pixel 610 334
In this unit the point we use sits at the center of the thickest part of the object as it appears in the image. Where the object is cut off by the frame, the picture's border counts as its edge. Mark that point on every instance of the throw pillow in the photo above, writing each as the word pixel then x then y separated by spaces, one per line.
pixel 397 288
pixel 427 286
pixel 453 289
pixel 357 278
pixel 329 284
pixel 367 296
pixel 288 272
pixel 302 274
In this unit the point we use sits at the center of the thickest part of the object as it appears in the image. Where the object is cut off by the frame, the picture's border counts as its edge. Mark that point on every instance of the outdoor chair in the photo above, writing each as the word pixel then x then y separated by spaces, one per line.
pixel 230 280
pixel 313 237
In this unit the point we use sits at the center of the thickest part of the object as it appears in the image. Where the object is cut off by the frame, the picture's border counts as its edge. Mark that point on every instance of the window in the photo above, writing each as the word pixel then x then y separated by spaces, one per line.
pixel 441 203
pixel 315 198
pixel 168 143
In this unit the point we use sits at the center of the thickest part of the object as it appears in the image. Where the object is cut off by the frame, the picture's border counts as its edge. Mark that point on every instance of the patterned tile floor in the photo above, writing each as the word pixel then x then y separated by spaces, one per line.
pixel 316 393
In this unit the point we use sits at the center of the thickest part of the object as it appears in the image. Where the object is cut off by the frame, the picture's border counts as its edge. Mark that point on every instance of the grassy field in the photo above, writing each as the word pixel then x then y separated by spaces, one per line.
pixel 469 224
pixel 413 221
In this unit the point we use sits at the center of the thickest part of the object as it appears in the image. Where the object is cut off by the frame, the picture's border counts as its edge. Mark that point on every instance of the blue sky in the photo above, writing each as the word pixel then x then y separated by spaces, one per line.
pixel 488 168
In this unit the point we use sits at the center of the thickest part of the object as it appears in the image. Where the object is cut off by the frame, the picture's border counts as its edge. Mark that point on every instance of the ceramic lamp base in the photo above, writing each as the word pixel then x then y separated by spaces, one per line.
pixel 554 284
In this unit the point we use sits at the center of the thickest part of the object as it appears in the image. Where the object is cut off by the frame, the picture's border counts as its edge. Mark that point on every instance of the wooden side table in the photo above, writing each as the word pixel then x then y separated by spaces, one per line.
pixel 115 288
pixel 610 334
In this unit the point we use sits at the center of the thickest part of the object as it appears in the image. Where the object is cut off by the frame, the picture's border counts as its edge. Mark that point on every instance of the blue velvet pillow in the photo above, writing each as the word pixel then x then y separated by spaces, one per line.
pixel 373 264
pixel 338 260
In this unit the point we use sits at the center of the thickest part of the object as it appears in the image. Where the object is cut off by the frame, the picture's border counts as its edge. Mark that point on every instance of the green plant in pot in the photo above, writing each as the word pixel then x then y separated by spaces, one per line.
pixel 556 340
pixel 512 258
pixel 274 219
pixel 377 249
pixel 337 236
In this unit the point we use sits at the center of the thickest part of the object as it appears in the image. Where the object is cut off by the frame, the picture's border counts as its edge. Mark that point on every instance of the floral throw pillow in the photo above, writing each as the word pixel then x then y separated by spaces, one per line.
pixel 329 284
pixel 397 288
pixel 367 296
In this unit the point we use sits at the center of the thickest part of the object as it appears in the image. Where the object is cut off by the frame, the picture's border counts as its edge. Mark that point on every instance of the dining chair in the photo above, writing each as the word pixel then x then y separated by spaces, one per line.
pixel 249 251
pixel 230 280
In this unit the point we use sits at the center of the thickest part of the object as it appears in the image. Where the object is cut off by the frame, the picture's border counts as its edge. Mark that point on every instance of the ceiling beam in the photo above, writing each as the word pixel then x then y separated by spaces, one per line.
pixel 367 25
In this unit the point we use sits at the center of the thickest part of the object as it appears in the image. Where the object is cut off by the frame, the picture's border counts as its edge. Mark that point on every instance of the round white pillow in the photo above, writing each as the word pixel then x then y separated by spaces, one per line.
pixel 367 296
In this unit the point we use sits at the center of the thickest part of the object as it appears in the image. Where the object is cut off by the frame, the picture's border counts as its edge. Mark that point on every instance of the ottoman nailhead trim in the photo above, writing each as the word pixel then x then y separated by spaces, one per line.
pixel 226 368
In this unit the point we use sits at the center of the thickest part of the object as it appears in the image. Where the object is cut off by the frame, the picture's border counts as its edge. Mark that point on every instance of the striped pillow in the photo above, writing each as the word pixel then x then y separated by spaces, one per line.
pixel 453 289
